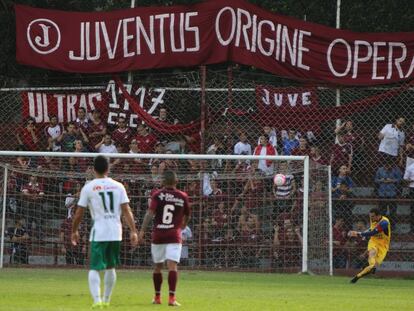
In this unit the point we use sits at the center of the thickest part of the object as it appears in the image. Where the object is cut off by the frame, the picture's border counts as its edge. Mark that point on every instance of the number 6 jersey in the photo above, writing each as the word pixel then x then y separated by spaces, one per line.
pixel 104 197
pixel 169 205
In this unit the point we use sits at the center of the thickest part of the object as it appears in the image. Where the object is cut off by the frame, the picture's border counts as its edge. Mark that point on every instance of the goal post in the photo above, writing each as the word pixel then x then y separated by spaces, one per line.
pixel 261 230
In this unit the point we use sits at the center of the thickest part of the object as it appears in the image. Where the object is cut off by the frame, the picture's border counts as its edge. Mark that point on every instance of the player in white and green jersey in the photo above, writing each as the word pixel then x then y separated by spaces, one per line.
pixel 107 201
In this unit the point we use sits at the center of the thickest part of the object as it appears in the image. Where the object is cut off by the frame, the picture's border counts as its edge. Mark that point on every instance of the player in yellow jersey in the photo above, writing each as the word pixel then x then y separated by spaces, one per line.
pixel 379 235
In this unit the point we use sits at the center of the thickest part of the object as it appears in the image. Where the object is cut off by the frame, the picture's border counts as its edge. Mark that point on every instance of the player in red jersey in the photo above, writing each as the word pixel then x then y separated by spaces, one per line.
pixel 171 211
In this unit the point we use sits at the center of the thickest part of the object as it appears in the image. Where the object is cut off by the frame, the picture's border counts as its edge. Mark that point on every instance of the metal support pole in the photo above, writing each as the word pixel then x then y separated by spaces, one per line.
pixel 203 108
pixel 305 215
pixel 338 25
pixel 3 217
pixel 129 72
pixel 330 220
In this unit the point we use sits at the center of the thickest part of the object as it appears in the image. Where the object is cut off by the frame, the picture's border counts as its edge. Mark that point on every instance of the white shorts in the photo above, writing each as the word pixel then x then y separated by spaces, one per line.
pixel 163 252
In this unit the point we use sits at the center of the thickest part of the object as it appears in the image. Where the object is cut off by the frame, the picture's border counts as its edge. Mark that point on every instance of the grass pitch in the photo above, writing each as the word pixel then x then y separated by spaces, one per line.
pixel 50 289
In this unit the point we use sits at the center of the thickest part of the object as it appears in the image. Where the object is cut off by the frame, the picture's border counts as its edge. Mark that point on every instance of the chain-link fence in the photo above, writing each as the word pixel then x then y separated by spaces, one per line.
pixel 240 220
pixel 366 134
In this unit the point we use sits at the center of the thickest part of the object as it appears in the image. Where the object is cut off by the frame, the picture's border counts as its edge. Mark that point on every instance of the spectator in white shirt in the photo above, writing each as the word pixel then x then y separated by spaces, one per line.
pixel 53 132
pixel 243 147
pixel 263 149
pixel 106 145
pixel 392 139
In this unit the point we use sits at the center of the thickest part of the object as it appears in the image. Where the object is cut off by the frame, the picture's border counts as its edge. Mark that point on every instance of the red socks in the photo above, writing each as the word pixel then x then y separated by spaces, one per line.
pixel 157 278
pixel 172 282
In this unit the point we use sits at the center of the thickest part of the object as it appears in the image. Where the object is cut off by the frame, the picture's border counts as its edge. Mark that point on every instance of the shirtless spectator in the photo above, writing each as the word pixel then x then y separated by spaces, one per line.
pixel 146 141
pixel 82 121
pixel 97 129
pixel 341 154
pixel 27 137
pixel 122 136
pixel 106 145
pixel 392 138
pixel 52 132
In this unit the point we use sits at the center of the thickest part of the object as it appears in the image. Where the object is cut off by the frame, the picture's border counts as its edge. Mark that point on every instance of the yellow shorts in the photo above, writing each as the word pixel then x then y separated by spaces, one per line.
pixel 380 250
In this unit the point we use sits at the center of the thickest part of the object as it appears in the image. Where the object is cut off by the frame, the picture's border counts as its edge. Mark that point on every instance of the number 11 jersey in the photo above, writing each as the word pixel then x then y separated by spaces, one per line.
pixel 104 197
pixel 169 205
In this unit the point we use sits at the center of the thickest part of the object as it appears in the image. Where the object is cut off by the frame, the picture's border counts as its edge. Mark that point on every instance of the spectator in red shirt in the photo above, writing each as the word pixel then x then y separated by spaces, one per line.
pixel 146 141
pixel 315 156
pixel 193 142
pixel 339 240
pixel 163 116
pixel 97 129
pixel 356 140
pixel 346 129
pixel 358 247
pixel 341 154
pixel 122 136
pixel 27 137
pixel 75 255
pixel 33 193
pixel 81 162
pixel 287 243
pixel 302 149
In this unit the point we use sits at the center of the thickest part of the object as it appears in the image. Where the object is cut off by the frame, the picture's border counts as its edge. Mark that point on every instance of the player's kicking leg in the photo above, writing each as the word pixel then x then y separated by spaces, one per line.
pixel 172 283
pixel 157 279
pixel 371 268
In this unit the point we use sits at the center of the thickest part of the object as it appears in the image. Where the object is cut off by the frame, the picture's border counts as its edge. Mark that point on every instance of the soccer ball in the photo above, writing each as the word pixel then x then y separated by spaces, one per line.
pixel 279 179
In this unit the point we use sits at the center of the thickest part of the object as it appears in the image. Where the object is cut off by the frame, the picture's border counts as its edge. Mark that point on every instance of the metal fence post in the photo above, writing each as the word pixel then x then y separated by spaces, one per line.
pixel 3 217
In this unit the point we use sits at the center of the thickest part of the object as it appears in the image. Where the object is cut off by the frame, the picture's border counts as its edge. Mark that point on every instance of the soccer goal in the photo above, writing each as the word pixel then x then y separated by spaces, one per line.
pixel 240 219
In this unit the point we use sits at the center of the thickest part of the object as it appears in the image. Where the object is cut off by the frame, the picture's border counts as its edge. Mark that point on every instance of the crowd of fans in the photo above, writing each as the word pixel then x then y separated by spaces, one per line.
pixel 240 213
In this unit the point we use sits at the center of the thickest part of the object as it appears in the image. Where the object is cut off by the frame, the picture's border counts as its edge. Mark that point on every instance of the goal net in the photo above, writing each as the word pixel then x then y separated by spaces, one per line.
pixel 240 219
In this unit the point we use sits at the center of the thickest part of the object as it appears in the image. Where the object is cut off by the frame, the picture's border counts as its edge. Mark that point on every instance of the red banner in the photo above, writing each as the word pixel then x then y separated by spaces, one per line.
pixel 42 105
pixel 298 108
pixel 132 102
pixel 288 108
pixel 208 33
